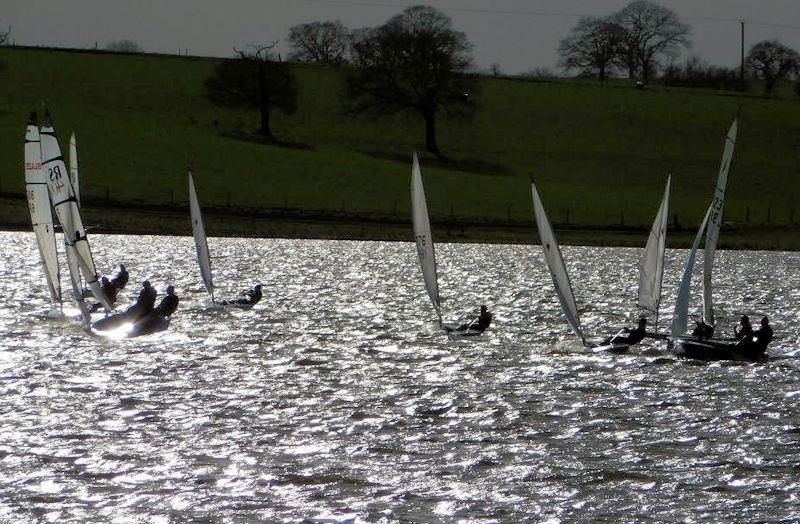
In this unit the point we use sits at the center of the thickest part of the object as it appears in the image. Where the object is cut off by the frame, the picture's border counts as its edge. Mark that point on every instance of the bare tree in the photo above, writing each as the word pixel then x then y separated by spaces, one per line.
pixel 5 37
pixel 593 46
pixel 495 70
pixel 124 46
pixel 651 32
pixel 326 42
pixel 256 79
pixel 415 62
pixel 770 61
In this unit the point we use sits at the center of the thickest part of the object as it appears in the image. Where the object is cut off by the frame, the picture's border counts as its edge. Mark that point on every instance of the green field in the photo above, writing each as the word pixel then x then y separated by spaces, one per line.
pixel 600 154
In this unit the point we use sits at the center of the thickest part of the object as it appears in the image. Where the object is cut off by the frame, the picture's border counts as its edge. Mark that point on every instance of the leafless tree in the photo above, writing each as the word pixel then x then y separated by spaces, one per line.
pixel 326 42
pixel 651 32
pixel 5 37
pixel 257 79
pixel 415 62
pixel 124 46
pixel 495 70
pixel 770 61
pixel 593 46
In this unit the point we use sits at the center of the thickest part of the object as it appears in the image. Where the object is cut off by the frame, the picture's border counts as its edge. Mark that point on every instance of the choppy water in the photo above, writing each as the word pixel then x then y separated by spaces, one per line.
pixel 337 399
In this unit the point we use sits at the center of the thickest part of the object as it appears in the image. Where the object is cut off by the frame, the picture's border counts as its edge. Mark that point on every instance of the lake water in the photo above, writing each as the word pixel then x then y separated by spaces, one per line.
pixel 336 398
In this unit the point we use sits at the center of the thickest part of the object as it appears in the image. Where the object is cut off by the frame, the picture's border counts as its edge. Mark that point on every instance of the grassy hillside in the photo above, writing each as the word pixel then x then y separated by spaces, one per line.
pixel 599 153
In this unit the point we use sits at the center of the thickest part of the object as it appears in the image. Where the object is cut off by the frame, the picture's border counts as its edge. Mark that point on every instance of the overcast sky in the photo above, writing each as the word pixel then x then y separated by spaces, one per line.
pixel 517 34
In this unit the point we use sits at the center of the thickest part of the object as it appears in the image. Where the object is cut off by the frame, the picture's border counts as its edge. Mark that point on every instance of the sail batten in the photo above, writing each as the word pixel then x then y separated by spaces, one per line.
pixel 555 263
pixel 651 266
pixel 200 239
pixel 423 236
pixel 715 222
pixel 680 318
pixel 73 167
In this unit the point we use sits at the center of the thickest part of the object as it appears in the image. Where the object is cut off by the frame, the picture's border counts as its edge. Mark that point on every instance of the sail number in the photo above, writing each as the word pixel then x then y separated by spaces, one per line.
pixel 55 176
pixel 422 242
pixel 716 206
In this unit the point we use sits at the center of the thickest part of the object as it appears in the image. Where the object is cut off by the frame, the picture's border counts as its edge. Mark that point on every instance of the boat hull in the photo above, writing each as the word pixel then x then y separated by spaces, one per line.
pixel 712 350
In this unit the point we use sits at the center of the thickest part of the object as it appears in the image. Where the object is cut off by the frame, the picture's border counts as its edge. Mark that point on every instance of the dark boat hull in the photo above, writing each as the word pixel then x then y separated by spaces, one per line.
pixel 712 350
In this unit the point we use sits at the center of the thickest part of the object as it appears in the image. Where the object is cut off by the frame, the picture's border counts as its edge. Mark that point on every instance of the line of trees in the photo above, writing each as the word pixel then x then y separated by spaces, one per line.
pixel 644 38
pixel 415 63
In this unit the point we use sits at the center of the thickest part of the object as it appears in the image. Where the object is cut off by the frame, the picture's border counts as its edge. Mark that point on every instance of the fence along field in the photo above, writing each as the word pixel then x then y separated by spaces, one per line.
pixel 600 154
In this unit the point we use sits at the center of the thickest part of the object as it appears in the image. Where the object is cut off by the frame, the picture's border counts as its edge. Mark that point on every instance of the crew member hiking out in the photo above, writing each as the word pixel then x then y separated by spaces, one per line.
pixel 743 331
pixel 251 297
pixel 479 325
pixel 120 280
pixel 145 303
pixel 633 336
pixel 168 304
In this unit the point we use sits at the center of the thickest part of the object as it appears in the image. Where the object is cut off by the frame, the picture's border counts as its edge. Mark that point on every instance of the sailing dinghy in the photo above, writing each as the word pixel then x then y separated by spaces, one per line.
pixel 62 196
pixel 203 256
pixel 40 210
pixel 651 266
pixel 558 271
pixel 427 253
pixel 692 346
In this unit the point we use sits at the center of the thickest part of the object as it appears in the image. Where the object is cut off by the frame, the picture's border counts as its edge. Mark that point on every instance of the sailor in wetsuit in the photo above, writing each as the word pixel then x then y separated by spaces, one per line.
pixel 168 304
pixel 634 336
pixel 703 330
pixel 252 296
pixel 120 280
pixel 743 331
pixel 144 304
pixel 480 324
pixel 109 291
pixel 756 346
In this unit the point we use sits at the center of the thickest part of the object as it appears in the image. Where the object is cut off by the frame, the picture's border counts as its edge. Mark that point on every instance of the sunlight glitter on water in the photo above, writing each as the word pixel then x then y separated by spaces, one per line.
pixel 337 399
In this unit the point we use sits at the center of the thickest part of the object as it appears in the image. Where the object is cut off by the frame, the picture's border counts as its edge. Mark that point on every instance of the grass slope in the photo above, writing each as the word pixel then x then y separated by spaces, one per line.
pixel 600 154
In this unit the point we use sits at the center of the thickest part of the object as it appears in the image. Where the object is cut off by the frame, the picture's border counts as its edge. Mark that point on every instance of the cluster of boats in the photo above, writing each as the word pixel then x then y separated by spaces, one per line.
pixel 700 344
pixel 51 186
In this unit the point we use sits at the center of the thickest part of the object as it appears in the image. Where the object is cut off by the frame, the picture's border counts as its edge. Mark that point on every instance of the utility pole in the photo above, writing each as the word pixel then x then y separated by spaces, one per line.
pixel 741 67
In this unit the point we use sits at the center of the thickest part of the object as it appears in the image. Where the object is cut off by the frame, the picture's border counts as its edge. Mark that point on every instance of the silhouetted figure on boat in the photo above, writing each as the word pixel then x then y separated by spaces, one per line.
pixel 743 331
pixel 120 280
pixel 251 298
pixel 168 304
pixel 703 330
pixel 631 336
pixel 477 326
pixel 755 347
pixel 109 290
pixel 144 304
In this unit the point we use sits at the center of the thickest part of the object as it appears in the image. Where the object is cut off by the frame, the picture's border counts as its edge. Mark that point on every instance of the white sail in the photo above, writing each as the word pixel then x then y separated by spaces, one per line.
pixel 75 281
pixel 651 266
pixel 555 263
pixel 73 167
pixel 39 207
pixel 200 240
pixel 680 318
pixel 62 196
pixel 715 221
pixel 423 236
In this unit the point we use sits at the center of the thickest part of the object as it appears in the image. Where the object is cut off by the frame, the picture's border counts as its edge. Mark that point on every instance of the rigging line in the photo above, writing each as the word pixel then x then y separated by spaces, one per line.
pixel 543 13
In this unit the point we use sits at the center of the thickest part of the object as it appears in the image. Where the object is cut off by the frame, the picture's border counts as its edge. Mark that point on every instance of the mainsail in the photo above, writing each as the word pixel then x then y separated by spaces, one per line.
pixel 39 206
pixel 73 167
pixel 715 221
pixel 64 202
pixel 423 236
pixel 651 266
pixel 555 263
pixel 680 318
pixel 200 240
